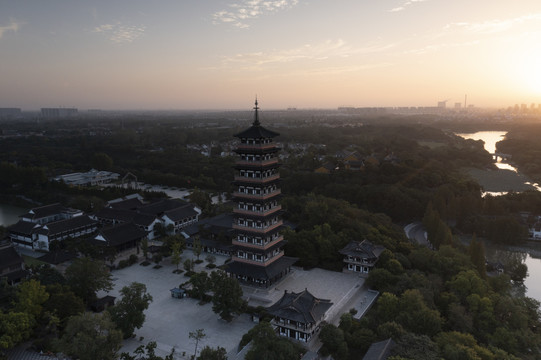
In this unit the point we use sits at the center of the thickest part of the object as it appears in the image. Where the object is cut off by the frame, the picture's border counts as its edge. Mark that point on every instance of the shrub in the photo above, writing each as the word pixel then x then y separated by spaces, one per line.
pixel 133 259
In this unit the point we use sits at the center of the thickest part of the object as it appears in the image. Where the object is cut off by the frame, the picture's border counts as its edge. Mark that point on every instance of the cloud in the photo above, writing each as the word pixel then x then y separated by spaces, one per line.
pixel 438 47
pixel 405 4
pixel 249 9
pixel 493 26
pixel 119 33
pixel 318 52
pixel 13 26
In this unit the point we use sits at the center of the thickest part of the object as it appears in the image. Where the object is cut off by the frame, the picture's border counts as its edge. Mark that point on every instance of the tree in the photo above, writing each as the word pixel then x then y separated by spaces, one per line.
pixel 176 253
pixel 197 247
pixel 30 297
pixel 202 200
pixel 63 303
pixel 47 274
pixel 227 298
pixel 188 265
pixel 266 344
pixel 517 270
pixel 147 352
pixel 208 353
pixel 200 285
pixel 211 259
pixel 197 335
pixel 91 336
pixel 333 342
pixel 87 276
pixel 477 255
pixel 15 327
pixel 144 247
pixel 160 230
pixel 128 313
pixel 102 161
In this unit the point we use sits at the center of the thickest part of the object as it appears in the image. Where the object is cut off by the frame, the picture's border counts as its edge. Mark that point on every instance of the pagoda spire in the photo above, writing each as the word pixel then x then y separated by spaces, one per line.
pixel 256 115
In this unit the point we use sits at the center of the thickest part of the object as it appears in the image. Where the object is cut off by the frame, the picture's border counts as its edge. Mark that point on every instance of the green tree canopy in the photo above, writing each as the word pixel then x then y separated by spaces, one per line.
pixel 128 314
pixel 91 336
pixel 87 276
pixel 266 344
pixel 227 299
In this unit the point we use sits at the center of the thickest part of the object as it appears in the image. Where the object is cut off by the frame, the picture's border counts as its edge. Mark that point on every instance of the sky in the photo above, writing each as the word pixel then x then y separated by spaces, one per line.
pixel 214 54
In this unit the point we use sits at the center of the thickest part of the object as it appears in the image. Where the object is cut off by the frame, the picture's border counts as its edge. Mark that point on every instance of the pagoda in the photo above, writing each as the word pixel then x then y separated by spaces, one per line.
pixel 258 257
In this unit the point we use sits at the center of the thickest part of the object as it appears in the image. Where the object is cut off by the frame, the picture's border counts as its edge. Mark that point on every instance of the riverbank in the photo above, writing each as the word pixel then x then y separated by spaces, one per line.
pixel 500 180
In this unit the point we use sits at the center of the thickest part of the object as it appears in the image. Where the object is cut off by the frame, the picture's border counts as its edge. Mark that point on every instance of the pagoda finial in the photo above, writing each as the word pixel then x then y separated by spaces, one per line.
pixel 256 115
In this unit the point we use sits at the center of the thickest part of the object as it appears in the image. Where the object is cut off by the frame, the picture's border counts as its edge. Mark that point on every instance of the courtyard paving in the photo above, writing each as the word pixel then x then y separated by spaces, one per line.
pixel 169 320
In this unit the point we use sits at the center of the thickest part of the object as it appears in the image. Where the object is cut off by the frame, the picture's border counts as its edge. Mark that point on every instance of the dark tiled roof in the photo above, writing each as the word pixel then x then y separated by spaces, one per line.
pixel 123 215
pixel 43 211
pixel 9 257
pixel 67 225
pixel 211 243
pixel 161 206
pixel 58 257
pixel 23 227
pixel 256 132
pixel 362 248
pixel 261 272
pixel 302 307
pixel 380 350
pixel 143 219
pixel 122 233
pixel 216 224
pixel 180 213
pixel 128 204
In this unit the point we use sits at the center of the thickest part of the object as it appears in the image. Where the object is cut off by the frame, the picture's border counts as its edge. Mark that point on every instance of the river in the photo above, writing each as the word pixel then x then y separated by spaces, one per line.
pixel 9 214
pixel 532 284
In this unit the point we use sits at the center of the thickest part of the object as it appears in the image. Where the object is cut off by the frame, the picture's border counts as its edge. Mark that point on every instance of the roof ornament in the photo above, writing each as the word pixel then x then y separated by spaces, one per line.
pixel 256 115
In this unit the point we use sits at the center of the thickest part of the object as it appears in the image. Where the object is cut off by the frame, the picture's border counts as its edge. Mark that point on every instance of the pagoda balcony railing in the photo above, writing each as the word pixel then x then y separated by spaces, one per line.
pixel 257 180
pixel 257 196
pixel 256 212
pixel 261 230
pixel 259 263
pixel 295 325
pixel 257 162
pixel 359 261
pixel 257 146
pixel 255 246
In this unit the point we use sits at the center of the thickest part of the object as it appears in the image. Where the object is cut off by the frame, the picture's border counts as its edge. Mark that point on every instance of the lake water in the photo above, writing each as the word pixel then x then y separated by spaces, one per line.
pixel 532 283
pixel 490 138
pixel 9 214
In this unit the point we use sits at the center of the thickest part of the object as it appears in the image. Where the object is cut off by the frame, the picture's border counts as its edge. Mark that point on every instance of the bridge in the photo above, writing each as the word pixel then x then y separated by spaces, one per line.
pixel 501 156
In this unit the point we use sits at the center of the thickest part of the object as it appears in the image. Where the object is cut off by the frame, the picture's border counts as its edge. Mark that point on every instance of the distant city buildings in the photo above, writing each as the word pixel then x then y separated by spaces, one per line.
pixel 58 112
pixel 10 113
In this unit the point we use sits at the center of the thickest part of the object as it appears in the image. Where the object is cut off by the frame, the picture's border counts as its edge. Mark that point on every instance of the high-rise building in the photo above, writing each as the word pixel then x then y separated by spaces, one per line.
pixel 258 258
pixel 58 112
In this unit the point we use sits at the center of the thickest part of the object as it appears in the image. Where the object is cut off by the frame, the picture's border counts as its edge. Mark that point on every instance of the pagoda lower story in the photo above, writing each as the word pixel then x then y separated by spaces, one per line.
pixel 262 276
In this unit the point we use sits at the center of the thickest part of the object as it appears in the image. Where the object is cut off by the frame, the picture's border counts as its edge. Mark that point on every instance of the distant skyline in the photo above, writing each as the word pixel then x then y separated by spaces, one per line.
pixel 213 54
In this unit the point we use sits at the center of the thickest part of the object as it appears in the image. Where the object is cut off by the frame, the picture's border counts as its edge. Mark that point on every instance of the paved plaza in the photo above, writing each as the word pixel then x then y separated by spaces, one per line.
pixel 169 320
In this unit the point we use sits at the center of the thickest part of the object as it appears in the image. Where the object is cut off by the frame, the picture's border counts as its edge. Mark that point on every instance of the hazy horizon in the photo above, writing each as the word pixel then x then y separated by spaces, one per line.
pixel 312 54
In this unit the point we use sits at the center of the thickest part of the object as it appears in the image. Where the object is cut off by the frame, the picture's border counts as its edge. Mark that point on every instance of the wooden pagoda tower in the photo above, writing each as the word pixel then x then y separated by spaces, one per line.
pixel 258 257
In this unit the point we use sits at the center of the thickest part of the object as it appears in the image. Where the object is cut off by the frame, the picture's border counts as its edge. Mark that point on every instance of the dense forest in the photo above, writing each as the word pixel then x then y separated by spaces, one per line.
pixel 435 303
